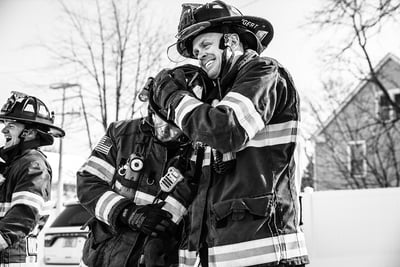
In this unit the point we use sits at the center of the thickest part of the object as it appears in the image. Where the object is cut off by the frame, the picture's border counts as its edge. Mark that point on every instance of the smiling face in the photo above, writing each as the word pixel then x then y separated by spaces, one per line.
pixel 206 50
pixel 11 132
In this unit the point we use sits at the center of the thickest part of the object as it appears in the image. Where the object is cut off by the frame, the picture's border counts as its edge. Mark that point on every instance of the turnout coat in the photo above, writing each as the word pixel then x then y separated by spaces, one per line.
pixel 247 209
pixel 24 196
pixel 105 187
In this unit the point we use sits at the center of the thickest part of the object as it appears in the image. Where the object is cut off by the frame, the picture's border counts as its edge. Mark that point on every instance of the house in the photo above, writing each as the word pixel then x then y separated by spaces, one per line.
pixel 358 146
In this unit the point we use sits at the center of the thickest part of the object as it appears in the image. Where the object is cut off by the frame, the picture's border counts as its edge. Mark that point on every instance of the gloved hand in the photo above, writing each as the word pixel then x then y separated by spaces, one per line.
pixel 168 83
pixel 149 219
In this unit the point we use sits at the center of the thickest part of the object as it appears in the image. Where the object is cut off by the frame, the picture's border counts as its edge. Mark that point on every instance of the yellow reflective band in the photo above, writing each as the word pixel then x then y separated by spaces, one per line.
pixel 105 204
pixel 186 106
pixel 275 134
pixel 29 199
pixel 228 156
pixel 207 156
pixel 245 112
pixel 4 207
pixel 271 249
pixel 142 198
pixel 99 168
pixel 174 207
pixel 187 258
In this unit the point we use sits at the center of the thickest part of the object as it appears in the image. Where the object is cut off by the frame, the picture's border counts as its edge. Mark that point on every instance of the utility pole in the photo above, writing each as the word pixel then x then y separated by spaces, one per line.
pixel 60 185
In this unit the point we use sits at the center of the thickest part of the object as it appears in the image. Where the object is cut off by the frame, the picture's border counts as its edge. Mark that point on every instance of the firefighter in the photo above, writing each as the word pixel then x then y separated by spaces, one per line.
pixel 25 179
pixel 247 210
pixel 132 185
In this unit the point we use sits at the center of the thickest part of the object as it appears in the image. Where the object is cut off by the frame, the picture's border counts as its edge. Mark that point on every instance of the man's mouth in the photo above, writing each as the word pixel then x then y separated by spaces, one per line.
pixel 208 64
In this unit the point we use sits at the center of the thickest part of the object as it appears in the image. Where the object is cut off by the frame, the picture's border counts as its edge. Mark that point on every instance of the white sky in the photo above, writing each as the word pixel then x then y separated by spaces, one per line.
pixel 23 22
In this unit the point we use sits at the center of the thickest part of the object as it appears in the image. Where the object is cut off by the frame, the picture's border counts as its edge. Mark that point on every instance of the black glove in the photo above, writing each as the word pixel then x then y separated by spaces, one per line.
pixel 149 219
pixel 167 84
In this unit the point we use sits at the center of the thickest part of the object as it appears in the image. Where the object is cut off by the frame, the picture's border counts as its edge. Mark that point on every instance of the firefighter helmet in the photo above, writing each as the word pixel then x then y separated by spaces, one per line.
pixel 30 110
pixel 255 32
pixel 197 82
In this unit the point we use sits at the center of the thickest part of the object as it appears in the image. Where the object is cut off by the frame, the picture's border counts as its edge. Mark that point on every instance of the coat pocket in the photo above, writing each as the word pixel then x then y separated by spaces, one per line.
pixel 241 219
pixel 237 209
pixel 97 237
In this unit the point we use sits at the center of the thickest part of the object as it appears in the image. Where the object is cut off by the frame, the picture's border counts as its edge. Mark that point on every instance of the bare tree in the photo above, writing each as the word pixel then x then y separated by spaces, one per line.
pixel 359 21
pixel 111 47
pixel 354 25
pixel 358 120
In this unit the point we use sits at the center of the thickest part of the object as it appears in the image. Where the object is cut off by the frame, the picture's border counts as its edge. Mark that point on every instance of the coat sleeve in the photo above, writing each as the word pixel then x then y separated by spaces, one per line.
pixel 244 110
pixel 95 178
pixel 32 191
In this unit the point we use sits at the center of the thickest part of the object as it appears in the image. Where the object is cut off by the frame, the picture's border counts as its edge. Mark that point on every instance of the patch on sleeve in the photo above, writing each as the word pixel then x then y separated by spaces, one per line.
pixel 104 145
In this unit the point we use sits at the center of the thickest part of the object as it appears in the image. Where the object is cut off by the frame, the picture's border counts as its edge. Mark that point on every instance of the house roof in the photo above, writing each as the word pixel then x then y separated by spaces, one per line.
pixel 353 93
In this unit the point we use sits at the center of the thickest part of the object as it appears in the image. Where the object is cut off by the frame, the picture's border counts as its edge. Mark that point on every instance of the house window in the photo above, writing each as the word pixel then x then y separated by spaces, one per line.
pixel 357 164
pixel 385 109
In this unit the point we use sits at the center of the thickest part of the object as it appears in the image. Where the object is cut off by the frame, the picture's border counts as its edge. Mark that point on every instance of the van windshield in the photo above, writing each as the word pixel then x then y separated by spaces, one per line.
pixel 72 215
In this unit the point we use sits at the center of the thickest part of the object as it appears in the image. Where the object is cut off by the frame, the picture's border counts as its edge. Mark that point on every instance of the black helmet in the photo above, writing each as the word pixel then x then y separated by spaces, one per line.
pixel 217 16
pixel 32 111
pixel 197 82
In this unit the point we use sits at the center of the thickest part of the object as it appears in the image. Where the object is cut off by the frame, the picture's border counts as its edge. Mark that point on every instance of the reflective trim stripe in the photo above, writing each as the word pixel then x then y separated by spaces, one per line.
pixel 228 156
pixel 275 134
pixel 266 250
pixel 186 105
pixel 174 207
pixel 245 112
pixel 45 210
pixel 207 156
pixel 105 204
pixel 272 249
pixel 187 258
pixel 99 168
pixel 4 207
pixel 142 198
pixel 3 243
pixel 28 198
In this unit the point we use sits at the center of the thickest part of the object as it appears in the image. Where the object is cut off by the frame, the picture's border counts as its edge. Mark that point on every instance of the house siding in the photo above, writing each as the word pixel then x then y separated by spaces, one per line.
pixel 357 120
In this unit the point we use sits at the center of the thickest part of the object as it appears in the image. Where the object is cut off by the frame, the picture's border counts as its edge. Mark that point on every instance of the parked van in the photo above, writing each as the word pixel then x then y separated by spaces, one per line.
pixel 64 239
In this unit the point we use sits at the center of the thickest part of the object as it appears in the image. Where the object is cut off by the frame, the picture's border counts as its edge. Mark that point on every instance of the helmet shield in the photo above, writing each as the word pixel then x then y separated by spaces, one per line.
pixel 165 132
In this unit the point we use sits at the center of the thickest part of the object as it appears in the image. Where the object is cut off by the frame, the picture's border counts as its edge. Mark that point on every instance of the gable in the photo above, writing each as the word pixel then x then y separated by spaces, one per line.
pixel 387 69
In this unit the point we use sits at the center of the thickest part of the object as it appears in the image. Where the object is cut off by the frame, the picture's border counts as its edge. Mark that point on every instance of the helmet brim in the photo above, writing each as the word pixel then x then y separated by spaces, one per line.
pixel 53 130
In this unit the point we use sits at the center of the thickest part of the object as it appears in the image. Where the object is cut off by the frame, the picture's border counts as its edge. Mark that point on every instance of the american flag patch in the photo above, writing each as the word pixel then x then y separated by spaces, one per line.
pixel 104 145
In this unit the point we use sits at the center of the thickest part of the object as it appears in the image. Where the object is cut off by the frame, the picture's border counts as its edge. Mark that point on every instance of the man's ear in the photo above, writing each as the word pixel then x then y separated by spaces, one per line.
pixel 232 40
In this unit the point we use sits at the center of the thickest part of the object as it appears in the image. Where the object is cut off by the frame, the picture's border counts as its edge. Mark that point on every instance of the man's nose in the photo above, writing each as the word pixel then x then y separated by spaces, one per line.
pixel 201 54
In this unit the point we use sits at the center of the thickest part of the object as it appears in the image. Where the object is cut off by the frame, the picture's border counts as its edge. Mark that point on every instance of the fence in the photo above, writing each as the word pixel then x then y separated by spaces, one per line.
pixel 353 228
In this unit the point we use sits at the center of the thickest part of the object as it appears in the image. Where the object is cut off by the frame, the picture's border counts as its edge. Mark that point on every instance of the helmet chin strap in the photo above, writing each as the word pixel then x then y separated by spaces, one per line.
pixel 228 54
pixel 23 134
